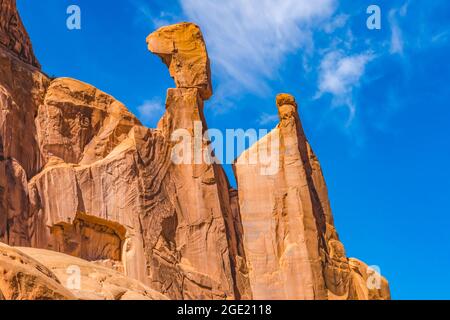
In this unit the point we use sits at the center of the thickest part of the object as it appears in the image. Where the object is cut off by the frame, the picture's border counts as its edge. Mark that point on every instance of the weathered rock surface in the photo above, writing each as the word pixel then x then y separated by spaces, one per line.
pixel 95 282
pixel 183 50
pixel 81 176
pixel 366 283
pixel 206 230
pixel 35 274
pixel 22 89
pixel 108 192
pixel 24 278
pixel 290 241
pixel 79 124
pixel 172 239
pixel 14 205
pixel 13 34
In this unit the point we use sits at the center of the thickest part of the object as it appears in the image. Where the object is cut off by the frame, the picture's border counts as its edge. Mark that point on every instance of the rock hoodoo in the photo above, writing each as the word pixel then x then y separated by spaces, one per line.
pixel 183 50
pixel 83 183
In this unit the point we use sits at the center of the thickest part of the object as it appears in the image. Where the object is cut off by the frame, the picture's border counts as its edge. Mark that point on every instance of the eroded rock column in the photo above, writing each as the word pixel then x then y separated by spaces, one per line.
pixel 204 236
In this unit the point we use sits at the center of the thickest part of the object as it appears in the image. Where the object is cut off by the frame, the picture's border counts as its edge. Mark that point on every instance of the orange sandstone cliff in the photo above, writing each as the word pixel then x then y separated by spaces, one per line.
pixel 83 183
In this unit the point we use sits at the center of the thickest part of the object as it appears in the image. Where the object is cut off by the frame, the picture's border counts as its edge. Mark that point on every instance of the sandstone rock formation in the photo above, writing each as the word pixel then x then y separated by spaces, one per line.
pixel 183 50
pixel 23 278
pixel 290 241
pixel 35 274
pixel 206 234
pixel 79 124
pixel 96 282
pixel 13 34
pixel 22 89
pixel 366 283
pixel 83 183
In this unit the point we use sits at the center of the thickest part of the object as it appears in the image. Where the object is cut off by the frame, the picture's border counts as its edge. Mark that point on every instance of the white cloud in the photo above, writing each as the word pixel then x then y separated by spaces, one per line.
pixel 164 19
pixel 396 35
pixel 150 112
pixel 146 14
pixel 397 42
pixel 339 75
pixel 403 11
pixel 249 39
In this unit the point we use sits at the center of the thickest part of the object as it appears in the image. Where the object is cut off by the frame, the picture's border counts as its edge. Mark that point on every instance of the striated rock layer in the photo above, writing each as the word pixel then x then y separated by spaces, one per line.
pixel 13 34
pixel 291 244
pixel 22 90
pixel 24 278
pixel 35 274
pixel 83 183
pixel 96 282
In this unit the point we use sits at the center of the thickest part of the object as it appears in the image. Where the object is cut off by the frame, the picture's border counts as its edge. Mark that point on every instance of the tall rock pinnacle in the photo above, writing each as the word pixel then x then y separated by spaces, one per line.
pixel 290 241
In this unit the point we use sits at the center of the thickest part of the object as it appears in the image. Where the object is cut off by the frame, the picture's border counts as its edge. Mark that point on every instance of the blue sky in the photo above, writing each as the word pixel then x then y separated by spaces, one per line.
pixel 374 103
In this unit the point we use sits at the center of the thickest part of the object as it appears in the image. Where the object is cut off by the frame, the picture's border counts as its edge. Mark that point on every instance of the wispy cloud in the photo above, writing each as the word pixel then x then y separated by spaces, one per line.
pixel 266 118
pixel 340 74
pixel 397 39
pixel 150 112
pixel 249 39
pixel 336 23
pixel 150 12
pixel 441 37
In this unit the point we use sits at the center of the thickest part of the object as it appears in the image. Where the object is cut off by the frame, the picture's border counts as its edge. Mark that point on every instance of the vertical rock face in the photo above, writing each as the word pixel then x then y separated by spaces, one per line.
pixel 13 34
pixel 291 244
pixel 282 218
pixel 22 88
pixel 14 204
pixel 81 176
